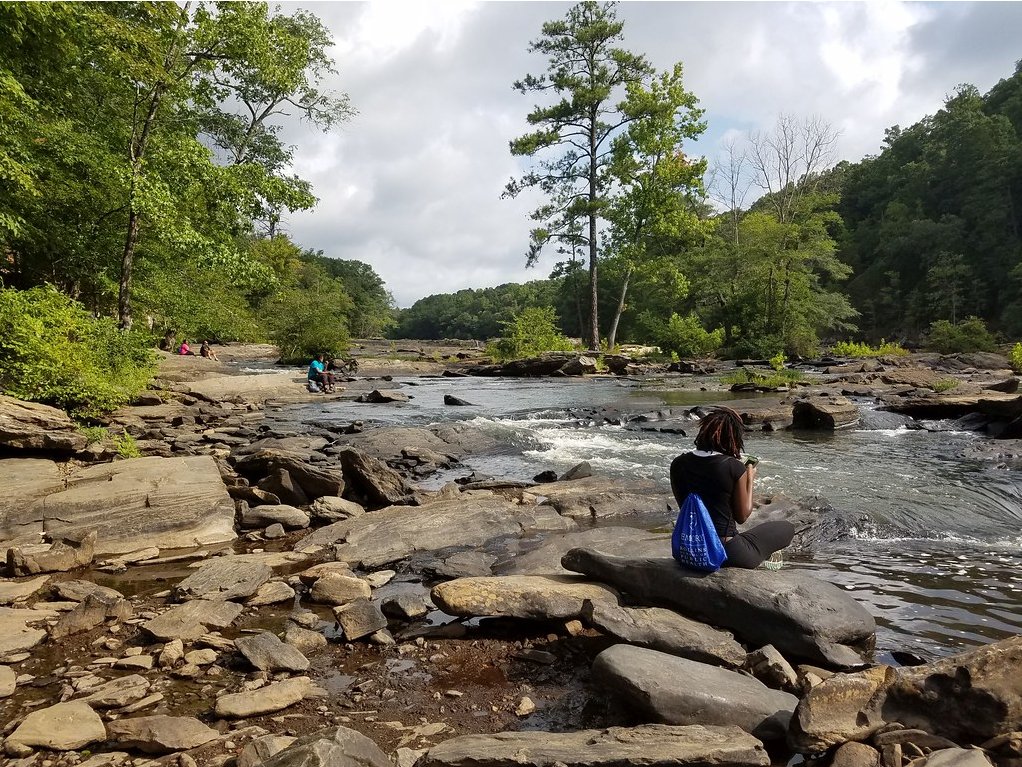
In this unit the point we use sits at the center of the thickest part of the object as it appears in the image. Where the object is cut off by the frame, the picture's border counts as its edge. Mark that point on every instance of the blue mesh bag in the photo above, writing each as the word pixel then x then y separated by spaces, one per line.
pixel 694 542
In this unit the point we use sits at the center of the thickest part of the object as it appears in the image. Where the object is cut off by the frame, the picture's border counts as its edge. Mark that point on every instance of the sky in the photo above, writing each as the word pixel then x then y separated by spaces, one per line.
pixel 412 184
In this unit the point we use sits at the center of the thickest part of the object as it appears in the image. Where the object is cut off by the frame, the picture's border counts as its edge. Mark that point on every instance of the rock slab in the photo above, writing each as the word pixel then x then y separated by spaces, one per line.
pixel 674 690
pixel 520 596
pixel 651 745
pixel 63 727
pixel 334 746
pixel 160 734
pixel 267 653
pixel 800 615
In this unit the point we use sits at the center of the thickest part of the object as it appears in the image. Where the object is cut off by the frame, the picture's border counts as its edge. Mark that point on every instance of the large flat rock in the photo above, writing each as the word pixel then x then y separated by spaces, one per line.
pixel 224 578
pixel 520 596
pixel 602 497
pixel 651 745
pixel 19 629
pixel 255 388
pixel 673 690
pixel 192 619
pixel 618 541
pixel 660 629
pixel 796 613
pixel 395 533
pixel 334 746
pixel 168 503
pixel 31 426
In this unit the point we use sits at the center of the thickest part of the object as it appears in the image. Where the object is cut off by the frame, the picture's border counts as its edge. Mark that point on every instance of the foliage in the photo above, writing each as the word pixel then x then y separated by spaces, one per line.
pixel 126 446
pixel 53 351
pixel 310 317
pixel 531 332
pixel 767 381
pixel 945 384
pixel 685 336
pixel 1016 358
pixel 970 335
pixel 858 349
pixel 372 312
pixel 93 434
pixel 585 70
pixel 934 225
pixel 777 361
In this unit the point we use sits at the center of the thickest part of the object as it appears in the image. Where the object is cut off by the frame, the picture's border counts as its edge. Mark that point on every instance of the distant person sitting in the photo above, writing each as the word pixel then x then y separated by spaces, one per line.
pixel 169 341
pixel 207 351
pixel 185 349
pixel 319 377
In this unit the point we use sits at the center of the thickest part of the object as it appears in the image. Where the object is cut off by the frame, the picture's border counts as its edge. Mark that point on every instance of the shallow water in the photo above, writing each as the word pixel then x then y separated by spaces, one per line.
pixel 927 539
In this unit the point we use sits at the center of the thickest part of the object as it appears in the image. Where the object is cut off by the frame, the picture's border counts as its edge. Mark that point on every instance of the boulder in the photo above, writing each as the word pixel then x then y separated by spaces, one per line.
pixel 314 481
pixel 520 596
pixel 855 754
pixel 771 668
pixel 451 400
pixel 304 640
pixel 600 497
pixel 79 591
pixel 266 700
pixel 379 396
pixel 63 727
pixel 116 693
pixel 664 630
pixel 168 503
pixel 271 593
pixel 8 681
pixel 577 366
pixel 67 553
pixel 16 632
pixel 370 482
pixel 824 413
pixel 578 471
pixel 330 508
pixel 800 615
pixel 673 690
pixel 956 757
pixel 279 483
pixel 651 745
pixel 545 559
pixel 360 618
pixel 267 653
pixel 262 748
pixel 160 734
pixel 18 591
pixel 91 612
pixel 339 589
pixel 192 619
pixel 406 607
pixel 31 426
pixel 842 708
pixel 224 578
pixel 967 698
pixel 261 516
pixel 331 747
pixel 392 534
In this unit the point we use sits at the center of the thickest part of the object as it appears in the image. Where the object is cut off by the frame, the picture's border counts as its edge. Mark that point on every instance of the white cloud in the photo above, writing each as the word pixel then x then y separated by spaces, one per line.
pixel 412 184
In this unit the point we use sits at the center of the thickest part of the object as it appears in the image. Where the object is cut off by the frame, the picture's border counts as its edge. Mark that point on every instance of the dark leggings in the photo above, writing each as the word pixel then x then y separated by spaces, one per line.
pixel 751 547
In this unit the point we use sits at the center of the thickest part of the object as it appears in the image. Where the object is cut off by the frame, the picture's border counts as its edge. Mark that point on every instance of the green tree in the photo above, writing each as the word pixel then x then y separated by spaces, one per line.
pixel 653 214
pixel 530 332
pixel 585 70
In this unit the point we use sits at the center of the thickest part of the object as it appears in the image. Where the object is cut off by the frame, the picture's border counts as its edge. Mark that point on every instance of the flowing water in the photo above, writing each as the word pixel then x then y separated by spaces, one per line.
pixel 927 539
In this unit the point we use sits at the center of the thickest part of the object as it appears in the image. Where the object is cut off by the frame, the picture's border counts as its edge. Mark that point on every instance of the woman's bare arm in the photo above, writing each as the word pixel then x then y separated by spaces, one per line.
pixel 742 498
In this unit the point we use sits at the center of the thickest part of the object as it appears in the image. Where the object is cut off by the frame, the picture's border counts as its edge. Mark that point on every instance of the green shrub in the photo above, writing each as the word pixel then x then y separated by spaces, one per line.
pixel 686 337
pixel 53 351
pixel 1016 358
pixel 126 446
pixel 93 434
pixel 777 361
pixel 970 335
pixel 945 384
pixel 531 332
pixel 855 349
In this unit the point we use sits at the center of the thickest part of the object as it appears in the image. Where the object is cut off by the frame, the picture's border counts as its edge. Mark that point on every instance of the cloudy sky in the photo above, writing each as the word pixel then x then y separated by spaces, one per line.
pixel 412 184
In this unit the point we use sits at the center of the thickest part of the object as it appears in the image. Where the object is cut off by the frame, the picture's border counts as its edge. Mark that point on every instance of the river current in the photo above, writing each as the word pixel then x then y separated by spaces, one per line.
pixel 927 539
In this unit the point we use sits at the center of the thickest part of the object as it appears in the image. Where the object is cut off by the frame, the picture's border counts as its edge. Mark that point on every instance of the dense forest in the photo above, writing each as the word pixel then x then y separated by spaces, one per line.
pixel 143 182
pixel 927 231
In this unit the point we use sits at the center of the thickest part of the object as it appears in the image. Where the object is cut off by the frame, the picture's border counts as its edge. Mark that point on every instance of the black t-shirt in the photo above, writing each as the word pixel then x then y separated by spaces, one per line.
pixel 713 477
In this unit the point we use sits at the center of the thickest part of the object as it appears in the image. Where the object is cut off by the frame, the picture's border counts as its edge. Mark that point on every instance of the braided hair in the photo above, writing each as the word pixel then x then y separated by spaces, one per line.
pixel 722 431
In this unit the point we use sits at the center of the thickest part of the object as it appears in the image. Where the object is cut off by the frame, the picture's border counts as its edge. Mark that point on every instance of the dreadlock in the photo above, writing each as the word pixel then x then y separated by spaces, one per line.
pixel 722 430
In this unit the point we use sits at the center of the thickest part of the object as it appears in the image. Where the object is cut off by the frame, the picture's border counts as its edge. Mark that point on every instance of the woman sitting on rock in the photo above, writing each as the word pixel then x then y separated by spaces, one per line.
pixel 716 472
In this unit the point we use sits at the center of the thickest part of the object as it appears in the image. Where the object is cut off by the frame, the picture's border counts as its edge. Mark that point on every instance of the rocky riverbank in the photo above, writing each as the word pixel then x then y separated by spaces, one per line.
pixel 248 594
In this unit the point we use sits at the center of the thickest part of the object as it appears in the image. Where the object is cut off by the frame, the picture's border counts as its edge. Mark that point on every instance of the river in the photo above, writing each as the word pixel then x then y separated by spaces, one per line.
pixel 928 540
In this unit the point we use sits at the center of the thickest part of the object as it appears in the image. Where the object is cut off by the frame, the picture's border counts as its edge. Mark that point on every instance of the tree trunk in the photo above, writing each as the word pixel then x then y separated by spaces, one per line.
pixel 127 261
pixel 594 320
pixel 612 336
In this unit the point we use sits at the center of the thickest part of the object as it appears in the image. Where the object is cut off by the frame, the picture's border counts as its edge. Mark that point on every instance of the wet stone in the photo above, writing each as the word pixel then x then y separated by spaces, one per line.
pixel 360 618
pixel 267 653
